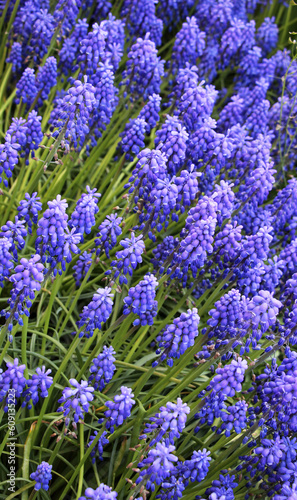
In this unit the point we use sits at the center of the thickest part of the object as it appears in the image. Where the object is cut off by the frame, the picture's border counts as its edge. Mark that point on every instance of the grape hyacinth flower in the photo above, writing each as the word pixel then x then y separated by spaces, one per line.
pixel 238 38
pixel 83 216
pixel 29 208
pixel 26 134
pixel 141 301
pixel 96 312
pixel 262 310
pixel 149 169
pixel 173 138
pixel 197 244
pixel 92 49
pixel 189 44
pixel 82 267
pixel 25 18
pixel 37 386
pixel 132 138
pixel 18 131
pixel 75 109
pixel 46 77
pixel 196 468
pixel 222 488
pixel 75 401
pixel 270 452
pixel 178 337
pixel 52 226
pixel 169 422
pixel 127 259
pixel 288 255
pixel 27 278
pixel 145 69
pixel 215 19
pixel 224 197
pixel 249 67
pixel 287 492
pixel 115 29
pixel 15 57
pixel 228 242
pixel 213 406
pixel 34 133
pixel 206 145
pixel 5 260
pixel 196 104
pixel 235 417
pixel 103 368
pixel 158 465
pixel 119 409
pixel 9 158
pixel 228 379
pixel 26 88
pixel 12 379
pixel 256 246
pixel 172 487
pixel 173 12
pixel 16 233
pixel 186 78
pixel 42 476
pixel 62 254
pixel 103 440
pixel 140 18
pixel 163 252
pixel 42 31
pixel 163 200
pixel 267 35
pixel 66 12
pixel 71 46
pixel 106 97
pixel 232 114
pixel 258 184
pixel 103 492
pixel 109 230
pixel 227 311
pixel 150 112
pixel 187 185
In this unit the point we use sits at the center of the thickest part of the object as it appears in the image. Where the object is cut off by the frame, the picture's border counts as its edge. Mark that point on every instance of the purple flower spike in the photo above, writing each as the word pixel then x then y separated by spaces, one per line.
pixel 119 409
pixel 103 368
pixel 83 216
pixel 262 310
pixel 228 379
pixel 42 476
pixel 75 401
pixel 96 312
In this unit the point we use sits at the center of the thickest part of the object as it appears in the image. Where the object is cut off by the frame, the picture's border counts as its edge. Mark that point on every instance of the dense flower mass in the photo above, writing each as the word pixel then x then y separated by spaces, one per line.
pixel 148 249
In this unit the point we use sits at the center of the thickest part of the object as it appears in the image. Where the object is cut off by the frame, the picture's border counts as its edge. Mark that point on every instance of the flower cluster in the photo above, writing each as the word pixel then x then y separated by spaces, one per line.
pixel 103 368
pixel 119 409
pixel 141 301
pixel 75 401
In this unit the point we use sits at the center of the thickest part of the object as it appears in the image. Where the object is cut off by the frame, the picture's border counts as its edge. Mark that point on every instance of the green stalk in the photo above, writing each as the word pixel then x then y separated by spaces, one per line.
pixel 82 452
